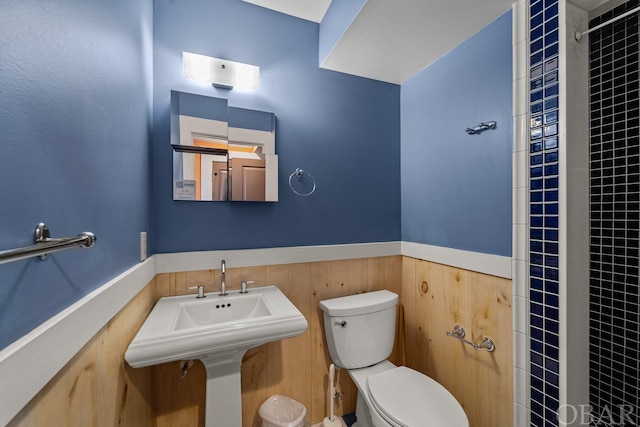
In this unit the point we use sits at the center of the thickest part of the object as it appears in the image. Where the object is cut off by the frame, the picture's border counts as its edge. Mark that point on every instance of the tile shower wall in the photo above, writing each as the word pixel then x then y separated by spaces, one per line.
pixel 615 213
pixel 543 208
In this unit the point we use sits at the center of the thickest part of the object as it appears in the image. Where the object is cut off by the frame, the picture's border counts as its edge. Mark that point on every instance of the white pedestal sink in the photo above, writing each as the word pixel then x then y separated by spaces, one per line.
pixel 218 331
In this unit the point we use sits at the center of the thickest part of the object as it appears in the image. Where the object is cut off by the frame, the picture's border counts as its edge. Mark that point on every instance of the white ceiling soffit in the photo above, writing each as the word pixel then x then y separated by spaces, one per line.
pixel 311 10
pixel 392 41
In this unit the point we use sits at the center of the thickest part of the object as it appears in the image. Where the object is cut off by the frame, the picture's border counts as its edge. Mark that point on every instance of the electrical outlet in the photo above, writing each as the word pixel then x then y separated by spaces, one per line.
pixel 143 245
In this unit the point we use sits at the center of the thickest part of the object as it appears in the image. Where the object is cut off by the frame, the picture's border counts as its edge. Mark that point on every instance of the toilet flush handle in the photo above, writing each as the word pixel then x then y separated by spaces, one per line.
pixel 342 323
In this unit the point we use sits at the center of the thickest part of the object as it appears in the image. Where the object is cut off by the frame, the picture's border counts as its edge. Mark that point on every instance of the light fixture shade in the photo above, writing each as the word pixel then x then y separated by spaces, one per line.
pixel 220 72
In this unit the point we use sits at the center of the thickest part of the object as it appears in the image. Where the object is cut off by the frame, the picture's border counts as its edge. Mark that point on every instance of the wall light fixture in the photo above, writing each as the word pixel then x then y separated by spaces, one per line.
pixel 220 72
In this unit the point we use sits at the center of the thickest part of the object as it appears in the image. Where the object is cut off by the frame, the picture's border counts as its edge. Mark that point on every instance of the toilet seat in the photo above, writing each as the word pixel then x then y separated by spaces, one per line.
pixel 407 398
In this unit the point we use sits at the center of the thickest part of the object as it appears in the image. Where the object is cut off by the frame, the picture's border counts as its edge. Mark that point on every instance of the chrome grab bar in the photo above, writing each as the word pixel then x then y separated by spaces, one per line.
pixel 458 333
pixel 45 245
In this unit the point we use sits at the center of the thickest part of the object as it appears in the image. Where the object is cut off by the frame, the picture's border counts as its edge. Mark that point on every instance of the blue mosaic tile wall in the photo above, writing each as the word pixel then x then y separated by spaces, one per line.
pixel 614 313
pixel 543 210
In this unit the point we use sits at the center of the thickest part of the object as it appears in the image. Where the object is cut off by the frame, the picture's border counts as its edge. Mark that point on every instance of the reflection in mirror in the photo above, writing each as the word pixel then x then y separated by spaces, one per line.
pixel 222 153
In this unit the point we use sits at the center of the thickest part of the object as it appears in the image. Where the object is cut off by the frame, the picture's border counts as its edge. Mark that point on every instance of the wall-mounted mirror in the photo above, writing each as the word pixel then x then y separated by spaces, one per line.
pixel 222 153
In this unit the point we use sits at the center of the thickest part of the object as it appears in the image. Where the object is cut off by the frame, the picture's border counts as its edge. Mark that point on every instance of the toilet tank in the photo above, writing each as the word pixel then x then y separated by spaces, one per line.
pixel 360 329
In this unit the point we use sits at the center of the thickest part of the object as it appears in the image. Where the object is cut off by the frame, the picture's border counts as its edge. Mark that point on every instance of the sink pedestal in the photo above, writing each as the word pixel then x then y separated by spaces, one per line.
pixel 224 394
pixel 217 330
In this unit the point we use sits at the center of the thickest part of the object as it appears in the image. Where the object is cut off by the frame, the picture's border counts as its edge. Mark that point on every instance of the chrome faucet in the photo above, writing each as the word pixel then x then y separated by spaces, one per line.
pixel 200 289
pixel 223 285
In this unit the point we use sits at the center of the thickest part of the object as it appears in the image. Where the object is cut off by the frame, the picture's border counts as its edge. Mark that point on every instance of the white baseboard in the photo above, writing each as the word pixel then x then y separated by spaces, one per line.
pixel 494 265
pixel 206 260
pixel 30 362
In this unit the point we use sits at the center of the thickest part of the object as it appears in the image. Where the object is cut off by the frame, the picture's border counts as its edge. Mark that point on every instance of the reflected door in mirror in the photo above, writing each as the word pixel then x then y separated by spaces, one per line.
pixel 219 181
pixel 247 179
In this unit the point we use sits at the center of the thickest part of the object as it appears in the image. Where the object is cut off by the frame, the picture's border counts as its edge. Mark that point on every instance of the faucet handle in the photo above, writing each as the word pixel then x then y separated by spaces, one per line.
pixel 200 289
pixel 243 286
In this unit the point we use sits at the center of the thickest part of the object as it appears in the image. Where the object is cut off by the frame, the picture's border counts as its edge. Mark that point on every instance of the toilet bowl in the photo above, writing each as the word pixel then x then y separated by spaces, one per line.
pixel 360 331
pixel 402 397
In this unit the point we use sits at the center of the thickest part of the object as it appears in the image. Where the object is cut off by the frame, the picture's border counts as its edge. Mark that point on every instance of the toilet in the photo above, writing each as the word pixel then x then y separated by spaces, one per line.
pixel 360 331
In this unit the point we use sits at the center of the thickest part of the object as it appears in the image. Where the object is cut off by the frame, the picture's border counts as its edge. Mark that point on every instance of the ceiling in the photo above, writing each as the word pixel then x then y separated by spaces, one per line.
pixel 311 10
pixel 392 41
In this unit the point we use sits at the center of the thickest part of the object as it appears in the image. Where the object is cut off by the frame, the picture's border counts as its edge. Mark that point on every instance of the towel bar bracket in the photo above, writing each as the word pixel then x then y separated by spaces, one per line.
pixel 486 343
pixel 42 235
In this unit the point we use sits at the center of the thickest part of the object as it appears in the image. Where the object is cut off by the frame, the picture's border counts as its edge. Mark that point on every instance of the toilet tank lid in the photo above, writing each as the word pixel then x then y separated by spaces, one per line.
pixel 354 305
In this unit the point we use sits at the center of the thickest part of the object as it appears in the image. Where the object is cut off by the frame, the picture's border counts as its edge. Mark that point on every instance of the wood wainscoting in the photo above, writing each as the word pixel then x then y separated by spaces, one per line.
pixel 435 298
pixel 98 388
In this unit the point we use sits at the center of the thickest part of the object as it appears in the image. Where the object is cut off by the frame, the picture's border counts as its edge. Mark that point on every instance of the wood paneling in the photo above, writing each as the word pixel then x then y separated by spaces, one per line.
pixel 437 297
pixel 296 367
pixel 97 387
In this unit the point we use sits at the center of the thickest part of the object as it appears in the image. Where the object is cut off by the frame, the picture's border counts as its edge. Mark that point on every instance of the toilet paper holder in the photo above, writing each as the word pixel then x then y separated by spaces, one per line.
pixel 458 333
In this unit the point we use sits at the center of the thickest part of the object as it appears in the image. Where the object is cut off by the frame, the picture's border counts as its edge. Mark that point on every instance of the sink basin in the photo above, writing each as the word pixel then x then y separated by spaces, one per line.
pixel 196 314
pixel 218 331
pixel 185 327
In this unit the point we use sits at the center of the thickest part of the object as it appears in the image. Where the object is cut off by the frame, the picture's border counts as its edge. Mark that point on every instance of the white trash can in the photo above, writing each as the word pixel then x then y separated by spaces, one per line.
pixel 282 411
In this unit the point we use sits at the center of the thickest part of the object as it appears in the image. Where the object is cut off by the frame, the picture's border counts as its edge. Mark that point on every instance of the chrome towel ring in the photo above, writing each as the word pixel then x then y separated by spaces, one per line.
pixel 300 175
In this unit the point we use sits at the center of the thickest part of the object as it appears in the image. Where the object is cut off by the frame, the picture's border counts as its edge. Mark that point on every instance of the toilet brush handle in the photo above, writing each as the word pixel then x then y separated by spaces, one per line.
pixel 332 393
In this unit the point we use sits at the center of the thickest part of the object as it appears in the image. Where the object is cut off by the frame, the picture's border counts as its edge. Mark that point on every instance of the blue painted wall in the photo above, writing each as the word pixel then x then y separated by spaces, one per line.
pixel 456 188
pixel 342 129
pixel 75 85
pixel 75 119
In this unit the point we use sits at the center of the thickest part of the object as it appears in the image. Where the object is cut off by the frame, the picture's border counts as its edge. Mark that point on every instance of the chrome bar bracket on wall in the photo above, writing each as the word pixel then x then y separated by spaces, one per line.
pixel 458 333
pixel 481 128
pixel 45 245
